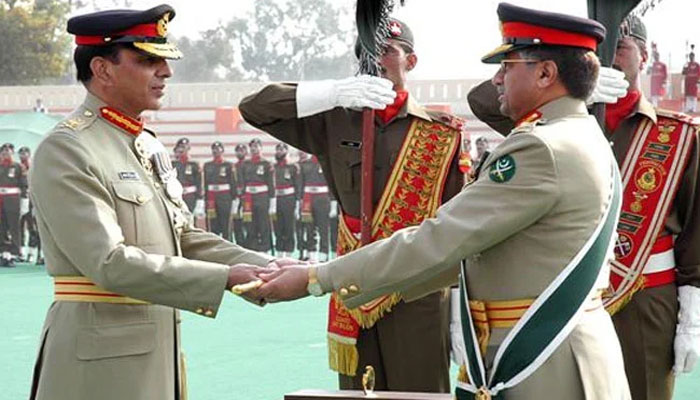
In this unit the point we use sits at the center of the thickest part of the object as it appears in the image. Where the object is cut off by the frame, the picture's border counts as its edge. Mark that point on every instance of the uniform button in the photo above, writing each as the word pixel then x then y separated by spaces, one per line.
pixel 157 185
pixel 343 291
pixel 88 113
pixel 140 199
pixel 354 288
pixel 209 313
pixel 200 310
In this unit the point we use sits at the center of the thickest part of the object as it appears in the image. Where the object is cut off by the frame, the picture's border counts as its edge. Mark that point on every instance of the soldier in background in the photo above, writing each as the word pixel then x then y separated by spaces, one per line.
pixel 691 72
pixel 315 209
pixel 659 75
pixel 28 230
pixel 236 215
pixel 190 176
pixel 220 185
pixel 13 203
pixel 287 186
pixel 258 199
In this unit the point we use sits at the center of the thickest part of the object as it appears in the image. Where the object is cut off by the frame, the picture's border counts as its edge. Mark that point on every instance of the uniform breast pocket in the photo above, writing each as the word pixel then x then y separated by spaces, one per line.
pixel 137 211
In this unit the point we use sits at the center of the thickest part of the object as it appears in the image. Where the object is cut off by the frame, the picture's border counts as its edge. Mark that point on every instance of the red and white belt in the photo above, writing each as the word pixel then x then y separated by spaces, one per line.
pixel 9 190
pixel 284 191
pixel 189 189
pixel 256 188
pixel 661 266
pixel 223 187
pixel 316 189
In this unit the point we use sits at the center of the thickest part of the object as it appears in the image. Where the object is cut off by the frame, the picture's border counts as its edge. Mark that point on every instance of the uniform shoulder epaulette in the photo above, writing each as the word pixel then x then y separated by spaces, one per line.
pixel 78 121
pixel 450 120
pixel 678 116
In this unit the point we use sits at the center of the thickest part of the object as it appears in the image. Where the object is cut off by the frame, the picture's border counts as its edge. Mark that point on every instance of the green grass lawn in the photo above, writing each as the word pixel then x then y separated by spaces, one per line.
pixel 246 352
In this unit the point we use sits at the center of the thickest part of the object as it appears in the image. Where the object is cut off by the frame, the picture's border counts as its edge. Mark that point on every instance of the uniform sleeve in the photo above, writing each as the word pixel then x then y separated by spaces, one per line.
pixel 273 110
pixel 270 179
pixel 198 181
pixel 232 181
pixel 687 205
pixel 483 101
pixel 76 210
pixel 482 215
pixel 22 182
pixel 296 178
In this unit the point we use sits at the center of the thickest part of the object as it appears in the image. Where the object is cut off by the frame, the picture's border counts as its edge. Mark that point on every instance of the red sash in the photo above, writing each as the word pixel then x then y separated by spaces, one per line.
pixel 412 193
pixel 651 172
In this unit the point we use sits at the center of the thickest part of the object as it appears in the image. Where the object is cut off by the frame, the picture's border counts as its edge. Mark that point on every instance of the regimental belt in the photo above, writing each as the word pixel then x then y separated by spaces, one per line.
pixel 81 289
pixel 546 323
pixel 651 173
pixel 412 193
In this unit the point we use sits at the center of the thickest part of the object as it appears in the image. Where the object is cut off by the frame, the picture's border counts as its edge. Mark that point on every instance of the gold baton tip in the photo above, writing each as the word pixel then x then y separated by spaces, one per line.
pixel 244 287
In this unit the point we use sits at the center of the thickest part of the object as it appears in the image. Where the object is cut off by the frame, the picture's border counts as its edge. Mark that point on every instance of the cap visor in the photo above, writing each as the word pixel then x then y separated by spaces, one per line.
pixel 496 55
pixel 164 50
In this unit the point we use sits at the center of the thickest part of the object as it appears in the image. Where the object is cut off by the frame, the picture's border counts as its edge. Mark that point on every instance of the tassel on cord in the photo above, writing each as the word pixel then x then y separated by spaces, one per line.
pixel 372 18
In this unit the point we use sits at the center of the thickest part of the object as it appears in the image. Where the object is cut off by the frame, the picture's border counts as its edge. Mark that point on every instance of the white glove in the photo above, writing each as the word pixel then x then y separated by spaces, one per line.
pixel 199 210
pixel 234 206
pixel 357 92
pixel 687 342
pixel 458 350
pixel 297 210
pixel 273 206
pixel 610 86
pixel 334 209
pixel 23 206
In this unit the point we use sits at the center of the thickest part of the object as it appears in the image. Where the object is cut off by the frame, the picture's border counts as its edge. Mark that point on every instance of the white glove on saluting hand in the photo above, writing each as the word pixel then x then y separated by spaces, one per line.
pixel 687 342
pixel 356 92
pixel 458 351
pixel 199 208
pixel 611 85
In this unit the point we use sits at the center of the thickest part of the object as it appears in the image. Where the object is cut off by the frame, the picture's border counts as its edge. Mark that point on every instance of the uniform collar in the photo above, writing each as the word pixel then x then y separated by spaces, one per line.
pixel 562 107
pixel 413 108
pixel 645 108
pixel 114 117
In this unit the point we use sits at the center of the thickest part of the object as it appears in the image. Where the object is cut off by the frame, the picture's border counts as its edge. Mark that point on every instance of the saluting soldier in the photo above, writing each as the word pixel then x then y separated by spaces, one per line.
pixel 315 210
pixel 119 242
pixel 13 204
pixel 536 230
pixel 259 201
pixel 220 185
pixel 287 187
pixel 308 117
pixel 236 212
pixel 190 176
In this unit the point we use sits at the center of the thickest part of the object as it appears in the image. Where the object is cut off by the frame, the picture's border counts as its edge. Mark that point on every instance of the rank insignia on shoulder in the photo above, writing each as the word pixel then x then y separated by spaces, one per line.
pixel 502 170
pixel 129 176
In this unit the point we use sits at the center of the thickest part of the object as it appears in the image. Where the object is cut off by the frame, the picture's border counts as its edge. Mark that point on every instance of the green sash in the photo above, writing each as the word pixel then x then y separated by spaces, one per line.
pixel 547 322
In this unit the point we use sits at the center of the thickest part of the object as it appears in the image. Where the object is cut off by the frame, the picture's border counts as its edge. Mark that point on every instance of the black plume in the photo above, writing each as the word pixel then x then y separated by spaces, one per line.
pixel 372 18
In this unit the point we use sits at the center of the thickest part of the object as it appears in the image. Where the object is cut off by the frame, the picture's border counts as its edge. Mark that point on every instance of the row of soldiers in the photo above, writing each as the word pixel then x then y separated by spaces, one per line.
pixel 19 237
pixel 252 197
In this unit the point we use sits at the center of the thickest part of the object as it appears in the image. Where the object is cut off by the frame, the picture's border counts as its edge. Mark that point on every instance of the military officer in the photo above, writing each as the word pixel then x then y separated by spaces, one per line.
pixel 190 176
pixel 315 210
pixel 259 201
pixel 537 222
pixel 119 243
pixel 287 186
pixel 236 215
pixel 28 231
pixel 220 185
pixel 329 127
pixel 13 204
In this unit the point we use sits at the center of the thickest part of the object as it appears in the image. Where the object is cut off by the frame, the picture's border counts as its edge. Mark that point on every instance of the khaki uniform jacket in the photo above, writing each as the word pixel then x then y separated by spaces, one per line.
pixel 102 216
pixel 517 236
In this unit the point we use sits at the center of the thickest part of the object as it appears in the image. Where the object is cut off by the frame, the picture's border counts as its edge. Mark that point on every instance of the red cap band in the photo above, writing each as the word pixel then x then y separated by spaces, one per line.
pixel 522 30
pixel 147 30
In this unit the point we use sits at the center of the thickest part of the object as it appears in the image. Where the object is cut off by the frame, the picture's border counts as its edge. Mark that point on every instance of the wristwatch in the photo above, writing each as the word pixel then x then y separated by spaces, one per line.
pixel 314 287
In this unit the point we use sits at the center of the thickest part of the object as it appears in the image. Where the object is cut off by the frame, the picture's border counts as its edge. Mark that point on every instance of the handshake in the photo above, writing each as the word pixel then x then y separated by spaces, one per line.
pixel 281 280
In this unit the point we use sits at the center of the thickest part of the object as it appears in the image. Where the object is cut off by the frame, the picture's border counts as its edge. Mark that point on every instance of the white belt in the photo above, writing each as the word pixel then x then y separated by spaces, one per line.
pixel 189 189
pixel 256 189
pixel 316 189
pixel 284 191
pixel 660 262
pixel 219 188
pixel 10 190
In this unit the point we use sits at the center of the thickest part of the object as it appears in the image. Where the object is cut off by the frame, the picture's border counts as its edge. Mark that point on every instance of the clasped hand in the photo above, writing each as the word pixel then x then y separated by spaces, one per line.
pixel 281 280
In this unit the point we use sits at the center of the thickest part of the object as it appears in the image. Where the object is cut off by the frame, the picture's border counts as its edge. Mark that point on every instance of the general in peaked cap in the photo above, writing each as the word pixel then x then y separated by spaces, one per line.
pixel 146 30
pixel 523 27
